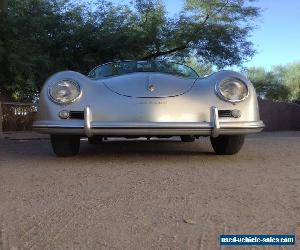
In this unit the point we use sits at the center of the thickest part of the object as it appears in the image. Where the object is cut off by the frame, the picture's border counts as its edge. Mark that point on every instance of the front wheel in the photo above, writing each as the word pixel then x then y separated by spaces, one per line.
pixel 227 144
pixel 65 145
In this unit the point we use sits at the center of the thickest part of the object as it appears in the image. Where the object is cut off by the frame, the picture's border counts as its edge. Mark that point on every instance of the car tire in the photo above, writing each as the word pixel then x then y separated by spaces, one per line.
pixel 227 144
pixel 95 140
pixel 187 138
pixel 65 145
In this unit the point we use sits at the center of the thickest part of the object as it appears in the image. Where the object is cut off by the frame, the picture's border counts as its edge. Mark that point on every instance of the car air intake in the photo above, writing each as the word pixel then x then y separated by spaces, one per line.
pixel 229 113
pixel 76 115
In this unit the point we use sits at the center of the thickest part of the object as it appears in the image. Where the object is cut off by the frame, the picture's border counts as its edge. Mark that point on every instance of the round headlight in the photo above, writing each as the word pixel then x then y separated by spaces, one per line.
pixel 64 91
pixel 232 90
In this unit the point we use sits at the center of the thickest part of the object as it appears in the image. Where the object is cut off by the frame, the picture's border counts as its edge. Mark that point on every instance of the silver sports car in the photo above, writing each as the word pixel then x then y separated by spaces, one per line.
pixel 147 99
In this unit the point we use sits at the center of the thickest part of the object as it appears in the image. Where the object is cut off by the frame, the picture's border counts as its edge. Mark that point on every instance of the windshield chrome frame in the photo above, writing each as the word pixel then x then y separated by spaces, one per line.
pixel 120 61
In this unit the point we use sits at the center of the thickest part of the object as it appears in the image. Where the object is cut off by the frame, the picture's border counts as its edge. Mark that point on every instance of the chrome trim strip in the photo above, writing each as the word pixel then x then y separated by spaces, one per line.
pixel 146 131
pixel 120 61
pixel 87 121
pixel 186 125
pixel 215 120
pixel 123 131
pixel 155 125
pixel 154 128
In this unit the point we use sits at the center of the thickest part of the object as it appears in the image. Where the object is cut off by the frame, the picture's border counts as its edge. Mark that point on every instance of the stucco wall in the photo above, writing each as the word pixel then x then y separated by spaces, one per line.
pixel 279 115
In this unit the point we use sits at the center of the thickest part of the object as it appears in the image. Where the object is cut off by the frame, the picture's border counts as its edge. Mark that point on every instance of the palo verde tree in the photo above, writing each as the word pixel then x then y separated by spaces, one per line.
pixel 216 31
pixel 41 37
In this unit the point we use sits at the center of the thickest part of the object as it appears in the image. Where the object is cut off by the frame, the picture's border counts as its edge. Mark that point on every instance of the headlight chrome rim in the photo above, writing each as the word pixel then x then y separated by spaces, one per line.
pixel 221 96
pixel 76 84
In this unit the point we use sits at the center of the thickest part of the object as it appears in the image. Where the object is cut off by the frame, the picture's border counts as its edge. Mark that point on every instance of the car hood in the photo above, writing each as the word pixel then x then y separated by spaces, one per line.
pixel 143 85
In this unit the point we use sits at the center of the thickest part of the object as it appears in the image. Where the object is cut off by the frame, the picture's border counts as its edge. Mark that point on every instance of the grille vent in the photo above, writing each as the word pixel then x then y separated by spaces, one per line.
pixel 76 115
pixel 225 113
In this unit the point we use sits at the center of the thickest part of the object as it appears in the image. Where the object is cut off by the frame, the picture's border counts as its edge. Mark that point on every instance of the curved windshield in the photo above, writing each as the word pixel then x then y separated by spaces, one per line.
pixel 126 67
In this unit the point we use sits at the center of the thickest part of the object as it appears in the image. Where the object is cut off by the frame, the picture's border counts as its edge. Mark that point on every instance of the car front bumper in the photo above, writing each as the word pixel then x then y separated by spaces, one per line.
pixel 88 127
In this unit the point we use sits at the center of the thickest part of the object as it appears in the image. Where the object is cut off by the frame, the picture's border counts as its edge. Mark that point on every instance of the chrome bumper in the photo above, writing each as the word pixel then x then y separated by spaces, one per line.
pixel 88 127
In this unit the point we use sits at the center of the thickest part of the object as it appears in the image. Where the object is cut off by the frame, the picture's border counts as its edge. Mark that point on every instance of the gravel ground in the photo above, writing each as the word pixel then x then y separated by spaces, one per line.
pixel 147 195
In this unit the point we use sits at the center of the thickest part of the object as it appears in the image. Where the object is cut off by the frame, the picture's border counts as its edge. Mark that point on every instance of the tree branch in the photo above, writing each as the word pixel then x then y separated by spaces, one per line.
pixel 163 53
pixel 185 46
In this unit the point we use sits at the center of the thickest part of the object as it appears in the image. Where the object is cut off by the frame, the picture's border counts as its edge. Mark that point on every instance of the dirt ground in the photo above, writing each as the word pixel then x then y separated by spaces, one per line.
pixel 147 195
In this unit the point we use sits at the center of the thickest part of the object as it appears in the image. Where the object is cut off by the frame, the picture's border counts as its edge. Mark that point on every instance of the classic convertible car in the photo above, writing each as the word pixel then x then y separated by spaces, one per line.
pixel 147 99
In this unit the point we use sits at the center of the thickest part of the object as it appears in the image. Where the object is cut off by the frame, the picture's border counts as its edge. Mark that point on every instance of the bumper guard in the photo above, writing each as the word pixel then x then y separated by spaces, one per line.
pixel 88 127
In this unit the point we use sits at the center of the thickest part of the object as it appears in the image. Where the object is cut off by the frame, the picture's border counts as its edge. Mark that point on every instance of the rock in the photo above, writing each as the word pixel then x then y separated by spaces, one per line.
pixel 189 221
